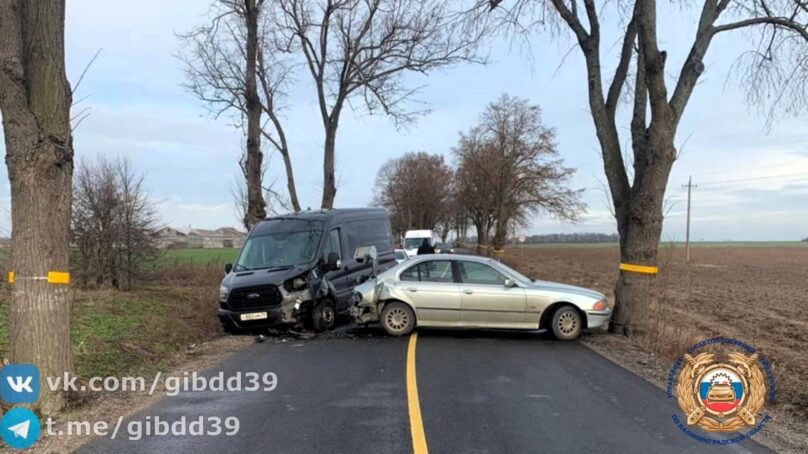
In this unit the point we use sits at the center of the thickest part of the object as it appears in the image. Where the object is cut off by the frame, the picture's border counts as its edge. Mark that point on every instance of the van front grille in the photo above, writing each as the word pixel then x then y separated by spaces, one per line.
pixel 252 297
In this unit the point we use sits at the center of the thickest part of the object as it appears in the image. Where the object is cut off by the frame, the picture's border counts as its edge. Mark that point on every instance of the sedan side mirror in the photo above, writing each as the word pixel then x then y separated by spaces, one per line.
pixel 228 267
pixel 332 262
pixel 510 283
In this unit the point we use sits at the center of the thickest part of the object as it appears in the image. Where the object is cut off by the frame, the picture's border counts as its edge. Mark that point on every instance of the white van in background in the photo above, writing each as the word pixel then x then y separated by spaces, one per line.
pixel 414 238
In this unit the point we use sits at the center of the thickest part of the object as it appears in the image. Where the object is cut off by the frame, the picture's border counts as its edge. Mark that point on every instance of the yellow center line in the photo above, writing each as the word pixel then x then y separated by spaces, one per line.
pixel 413 404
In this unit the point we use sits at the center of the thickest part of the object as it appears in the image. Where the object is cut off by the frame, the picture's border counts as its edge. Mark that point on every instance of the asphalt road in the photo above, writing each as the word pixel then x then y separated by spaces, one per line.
pixel 479 392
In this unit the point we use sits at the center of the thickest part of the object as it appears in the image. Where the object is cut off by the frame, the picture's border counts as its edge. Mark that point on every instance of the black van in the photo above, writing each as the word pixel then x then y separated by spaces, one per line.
pixel 300 268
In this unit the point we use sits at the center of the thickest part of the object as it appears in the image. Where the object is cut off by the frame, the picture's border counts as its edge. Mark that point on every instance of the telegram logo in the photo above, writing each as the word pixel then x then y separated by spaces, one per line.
pixel 19 428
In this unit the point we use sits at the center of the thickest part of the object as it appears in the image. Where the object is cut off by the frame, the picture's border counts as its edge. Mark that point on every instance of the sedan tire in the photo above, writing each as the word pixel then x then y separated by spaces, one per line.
pixel 398 319
pixel 567 323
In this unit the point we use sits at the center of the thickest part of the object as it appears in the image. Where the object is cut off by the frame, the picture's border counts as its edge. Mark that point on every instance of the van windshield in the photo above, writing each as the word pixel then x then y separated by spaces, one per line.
pixel 280 248
pixel 414 243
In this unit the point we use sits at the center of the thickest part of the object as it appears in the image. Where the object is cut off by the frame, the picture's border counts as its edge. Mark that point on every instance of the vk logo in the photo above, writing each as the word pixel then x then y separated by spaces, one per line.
pixel 19 428
pixel 19 383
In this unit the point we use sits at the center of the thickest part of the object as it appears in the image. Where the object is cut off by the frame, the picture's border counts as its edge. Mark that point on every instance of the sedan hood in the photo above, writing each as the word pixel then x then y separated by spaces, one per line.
pixel 557 287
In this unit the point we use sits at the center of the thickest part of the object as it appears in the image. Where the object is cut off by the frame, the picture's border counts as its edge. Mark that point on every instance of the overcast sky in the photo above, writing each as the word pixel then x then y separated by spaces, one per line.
pixel 753 181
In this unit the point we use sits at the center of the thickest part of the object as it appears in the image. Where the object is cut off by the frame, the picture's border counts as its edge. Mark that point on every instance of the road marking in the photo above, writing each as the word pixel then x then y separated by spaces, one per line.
pixel 413 404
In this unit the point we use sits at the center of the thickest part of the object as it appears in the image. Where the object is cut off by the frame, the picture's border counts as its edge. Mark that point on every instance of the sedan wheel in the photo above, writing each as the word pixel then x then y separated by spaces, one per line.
pixel 398 319
pixel 566 323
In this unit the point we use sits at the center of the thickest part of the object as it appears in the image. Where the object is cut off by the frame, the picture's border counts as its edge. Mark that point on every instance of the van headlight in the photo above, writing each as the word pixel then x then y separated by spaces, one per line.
pixel 223 292
pixel 295 285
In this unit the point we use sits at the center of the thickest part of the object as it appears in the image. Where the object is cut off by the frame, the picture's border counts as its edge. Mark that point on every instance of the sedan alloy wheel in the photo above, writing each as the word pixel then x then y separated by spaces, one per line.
pixel 566 323
pixel 398 319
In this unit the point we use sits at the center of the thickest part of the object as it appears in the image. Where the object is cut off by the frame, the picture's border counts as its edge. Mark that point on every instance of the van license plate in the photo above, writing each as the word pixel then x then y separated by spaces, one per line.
pixel 253 316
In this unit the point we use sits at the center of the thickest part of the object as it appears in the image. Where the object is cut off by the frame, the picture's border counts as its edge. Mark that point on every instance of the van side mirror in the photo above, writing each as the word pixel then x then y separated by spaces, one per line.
pixel 228 267
pixel 332 262
pixel 510 283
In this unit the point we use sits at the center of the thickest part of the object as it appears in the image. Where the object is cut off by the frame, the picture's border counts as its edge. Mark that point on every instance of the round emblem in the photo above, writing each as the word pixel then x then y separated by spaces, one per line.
pixel 721 397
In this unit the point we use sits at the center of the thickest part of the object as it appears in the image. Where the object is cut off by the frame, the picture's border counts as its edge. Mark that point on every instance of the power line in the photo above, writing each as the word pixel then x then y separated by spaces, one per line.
pixel 745 168
pixel 768 177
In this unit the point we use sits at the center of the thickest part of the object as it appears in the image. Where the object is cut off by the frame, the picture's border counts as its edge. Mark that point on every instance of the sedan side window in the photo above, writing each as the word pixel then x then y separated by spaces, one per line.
pixel 429 271
pixel 437 271
pixel 410 274
pixel 480 273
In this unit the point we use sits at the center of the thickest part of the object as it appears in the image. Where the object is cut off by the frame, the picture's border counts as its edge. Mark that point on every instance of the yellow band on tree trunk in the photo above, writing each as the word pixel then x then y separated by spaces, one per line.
pixel 58 277
pixel 53 277
pixel 639 268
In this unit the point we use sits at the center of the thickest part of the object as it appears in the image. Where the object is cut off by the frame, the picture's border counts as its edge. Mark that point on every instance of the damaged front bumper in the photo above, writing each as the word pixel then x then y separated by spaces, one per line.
pixel 363 313
pixel 290 311
pixel 364 304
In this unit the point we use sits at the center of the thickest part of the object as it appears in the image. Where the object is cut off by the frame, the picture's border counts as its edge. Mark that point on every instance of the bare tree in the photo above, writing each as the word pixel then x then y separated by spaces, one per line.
pixel 360 49
pixel 510 166
pixel 113 224
pixel 775 72
pixel 231 66
pixel 276 202
pixel 476 198
pixel 416 189
pixel 35 100
pixel 95 225
pixel 138 223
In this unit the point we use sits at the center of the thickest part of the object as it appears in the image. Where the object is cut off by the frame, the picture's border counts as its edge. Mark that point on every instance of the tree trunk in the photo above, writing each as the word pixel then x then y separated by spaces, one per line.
pixel 290 181
pixel 35 100
pixel 329 180
pixel 640 226
pixel 482 237
pixel 256 205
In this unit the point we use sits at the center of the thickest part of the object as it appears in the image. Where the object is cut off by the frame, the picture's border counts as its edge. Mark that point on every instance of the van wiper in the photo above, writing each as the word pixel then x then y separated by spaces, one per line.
pixel 268 268
pixel 277 268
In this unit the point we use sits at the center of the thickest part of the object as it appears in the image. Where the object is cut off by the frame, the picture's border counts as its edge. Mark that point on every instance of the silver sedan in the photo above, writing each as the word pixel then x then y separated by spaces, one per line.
pixel 463 291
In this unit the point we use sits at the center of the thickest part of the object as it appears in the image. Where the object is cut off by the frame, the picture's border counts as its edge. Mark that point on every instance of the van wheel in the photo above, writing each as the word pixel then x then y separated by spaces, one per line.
pixel 566 323
pixel 323 316
pixel 398 319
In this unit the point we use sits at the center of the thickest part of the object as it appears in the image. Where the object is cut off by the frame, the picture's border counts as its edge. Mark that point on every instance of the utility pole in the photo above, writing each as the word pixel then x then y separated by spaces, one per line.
pixel 689 187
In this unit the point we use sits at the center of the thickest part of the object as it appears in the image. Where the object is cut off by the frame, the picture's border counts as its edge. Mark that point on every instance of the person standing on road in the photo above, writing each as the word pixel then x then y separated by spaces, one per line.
pixel 425 248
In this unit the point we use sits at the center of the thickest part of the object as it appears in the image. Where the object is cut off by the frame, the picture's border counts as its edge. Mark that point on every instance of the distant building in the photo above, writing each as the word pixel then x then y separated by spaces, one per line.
pixel 170 238
pixel 223 237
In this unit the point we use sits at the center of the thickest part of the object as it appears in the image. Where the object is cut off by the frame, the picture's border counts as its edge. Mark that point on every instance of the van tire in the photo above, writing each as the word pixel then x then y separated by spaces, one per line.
pixel 323 316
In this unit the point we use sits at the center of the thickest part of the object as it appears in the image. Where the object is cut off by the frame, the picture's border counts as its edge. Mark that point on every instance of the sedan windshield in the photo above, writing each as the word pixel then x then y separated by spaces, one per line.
pixel 279 249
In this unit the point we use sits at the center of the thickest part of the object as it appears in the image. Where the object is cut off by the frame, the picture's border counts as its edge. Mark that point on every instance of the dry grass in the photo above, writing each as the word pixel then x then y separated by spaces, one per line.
pixel 757 295
pixel 138 332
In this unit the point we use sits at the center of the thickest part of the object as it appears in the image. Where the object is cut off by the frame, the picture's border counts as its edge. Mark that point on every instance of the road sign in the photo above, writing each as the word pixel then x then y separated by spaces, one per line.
pixel 522 238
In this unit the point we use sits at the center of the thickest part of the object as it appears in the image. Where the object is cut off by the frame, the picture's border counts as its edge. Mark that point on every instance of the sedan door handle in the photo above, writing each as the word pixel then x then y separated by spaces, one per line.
pixel 412 289
pixel 468 291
